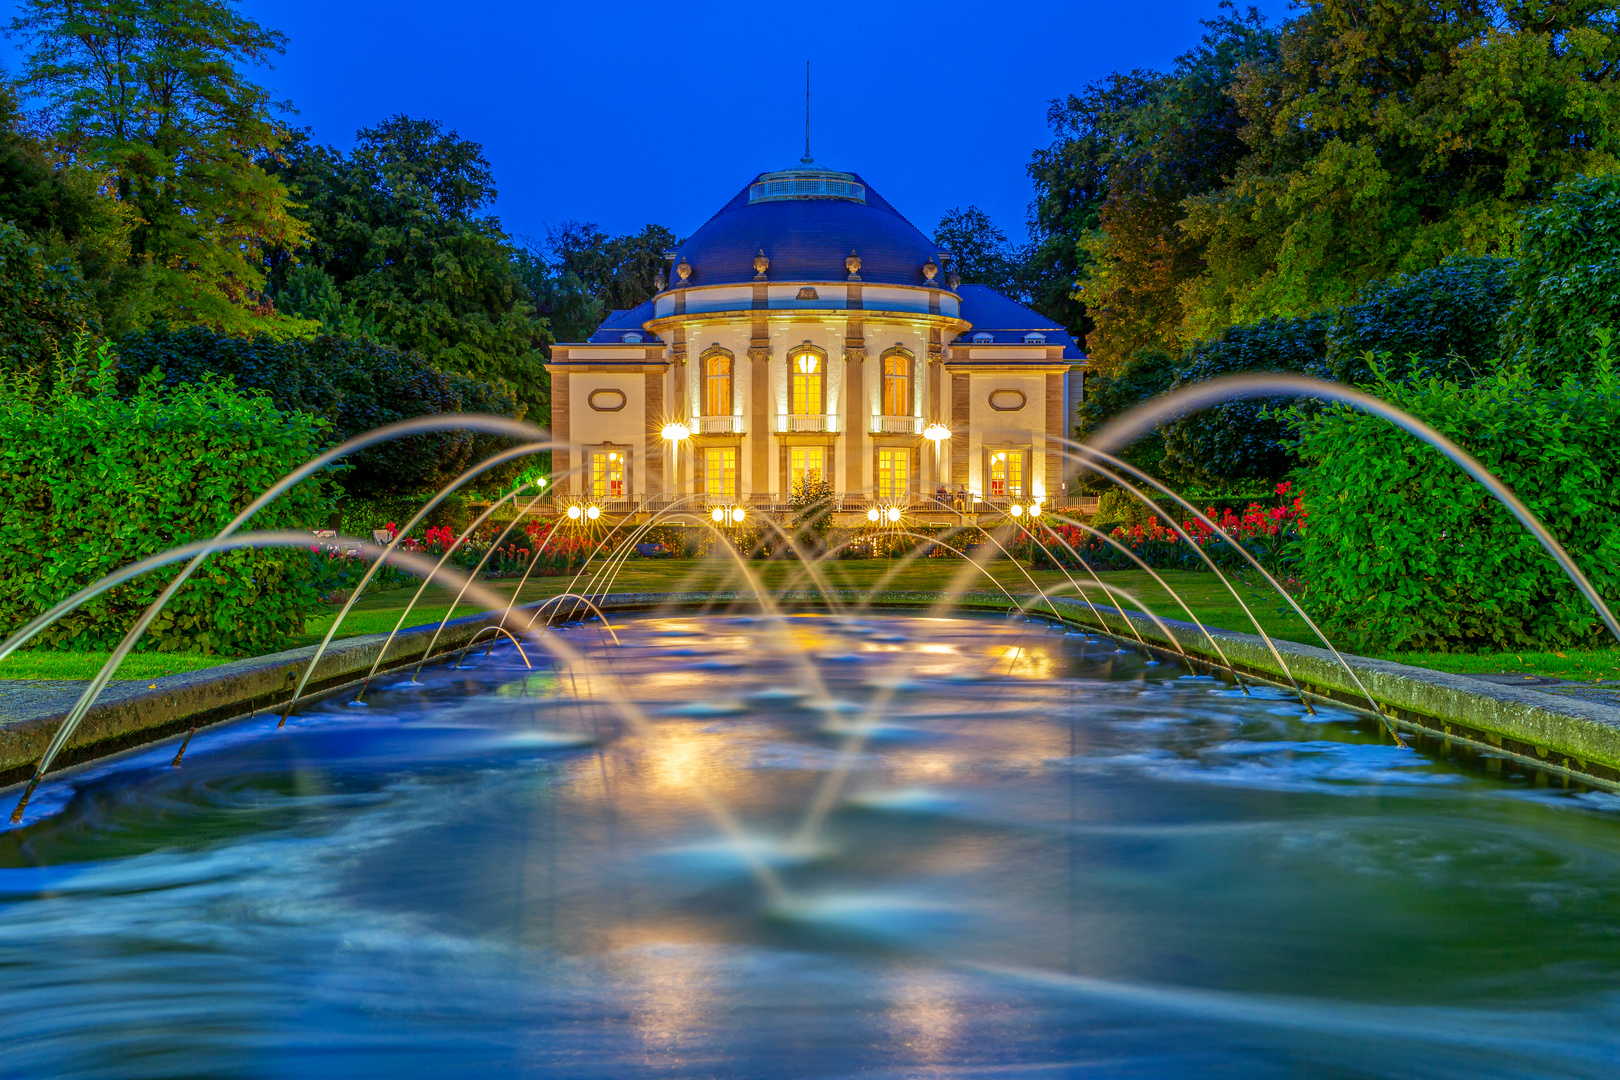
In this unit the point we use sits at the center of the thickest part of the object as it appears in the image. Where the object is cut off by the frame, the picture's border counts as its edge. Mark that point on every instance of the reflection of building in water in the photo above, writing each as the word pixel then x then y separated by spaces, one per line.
pixel 809 332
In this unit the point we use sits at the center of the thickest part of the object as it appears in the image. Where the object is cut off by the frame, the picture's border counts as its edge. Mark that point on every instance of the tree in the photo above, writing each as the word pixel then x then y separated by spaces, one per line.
pixel 1388 135
pixel 980 252
pixel 558 297
pixel 151 93
pixel 69 212
pixel 1161 140
pixel 405 251
pixel 43 305
pixel 618 271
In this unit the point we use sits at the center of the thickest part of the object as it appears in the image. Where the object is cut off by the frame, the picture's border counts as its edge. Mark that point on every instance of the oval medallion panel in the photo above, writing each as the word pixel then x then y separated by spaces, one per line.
pixel 607 400
pixel 1007 400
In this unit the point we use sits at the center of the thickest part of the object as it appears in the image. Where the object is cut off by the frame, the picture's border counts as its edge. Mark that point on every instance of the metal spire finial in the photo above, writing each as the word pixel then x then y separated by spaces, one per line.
pixel 807 159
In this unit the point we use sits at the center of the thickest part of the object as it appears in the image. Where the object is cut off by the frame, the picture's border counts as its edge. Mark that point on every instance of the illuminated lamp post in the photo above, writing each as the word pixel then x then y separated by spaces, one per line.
pixel 728 516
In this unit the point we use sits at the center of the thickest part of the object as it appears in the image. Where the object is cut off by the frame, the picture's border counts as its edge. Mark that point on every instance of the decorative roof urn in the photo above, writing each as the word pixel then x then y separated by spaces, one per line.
pixel 659 280
pixel 761 264
pixel 684 269
pixel 853 265
pixel 930 268
pixel 953 281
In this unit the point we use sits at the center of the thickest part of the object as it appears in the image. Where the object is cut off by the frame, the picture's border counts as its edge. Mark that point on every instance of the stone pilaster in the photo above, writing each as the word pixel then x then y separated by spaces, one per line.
pixel 654 394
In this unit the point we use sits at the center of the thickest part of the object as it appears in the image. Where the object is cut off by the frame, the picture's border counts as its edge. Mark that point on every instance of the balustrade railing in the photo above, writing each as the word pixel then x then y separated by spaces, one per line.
pixel 795 422
pixel 897 425
pixel 719 425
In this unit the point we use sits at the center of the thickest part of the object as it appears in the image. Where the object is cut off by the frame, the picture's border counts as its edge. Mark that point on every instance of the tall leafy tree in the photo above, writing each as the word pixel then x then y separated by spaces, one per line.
pixel 981 252
pixel 401 246
pixel 617 270
pixel 67 215
pixel 1388 135
pixel 152 92
pixel 1131 149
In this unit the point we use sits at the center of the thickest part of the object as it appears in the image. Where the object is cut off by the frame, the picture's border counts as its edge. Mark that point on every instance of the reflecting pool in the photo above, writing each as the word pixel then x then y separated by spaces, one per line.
pixel 812 847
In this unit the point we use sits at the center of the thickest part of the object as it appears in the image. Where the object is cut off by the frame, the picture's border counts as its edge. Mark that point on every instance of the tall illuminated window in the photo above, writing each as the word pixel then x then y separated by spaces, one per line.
pixel 1006 474
pixel 607 474
pixel 893 473
pixel 806 463
pixel 717 385
pixel 896 386
pixel 805 391
pixel 720 471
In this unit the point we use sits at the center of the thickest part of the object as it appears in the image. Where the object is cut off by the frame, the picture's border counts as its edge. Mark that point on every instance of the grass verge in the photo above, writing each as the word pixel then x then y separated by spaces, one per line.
pixel 1208 600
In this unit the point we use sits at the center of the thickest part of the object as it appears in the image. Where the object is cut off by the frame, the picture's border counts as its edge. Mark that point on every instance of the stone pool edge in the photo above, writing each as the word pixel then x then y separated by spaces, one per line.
pixel 1572 736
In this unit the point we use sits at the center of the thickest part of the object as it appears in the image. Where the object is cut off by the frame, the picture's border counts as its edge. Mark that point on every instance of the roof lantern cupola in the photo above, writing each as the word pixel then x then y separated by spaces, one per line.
pixel 806 182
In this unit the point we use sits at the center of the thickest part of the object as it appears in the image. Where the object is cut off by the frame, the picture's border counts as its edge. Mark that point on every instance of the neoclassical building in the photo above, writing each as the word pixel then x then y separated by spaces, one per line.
pixel 809 330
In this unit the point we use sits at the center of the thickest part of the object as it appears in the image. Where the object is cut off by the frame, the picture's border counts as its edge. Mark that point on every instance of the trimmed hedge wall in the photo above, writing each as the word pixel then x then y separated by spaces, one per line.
pixel 90 482
pixel 1405 551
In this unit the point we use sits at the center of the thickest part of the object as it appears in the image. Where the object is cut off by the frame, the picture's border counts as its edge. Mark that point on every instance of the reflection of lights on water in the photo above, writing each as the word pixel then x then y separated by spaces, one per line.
pixel 924 1015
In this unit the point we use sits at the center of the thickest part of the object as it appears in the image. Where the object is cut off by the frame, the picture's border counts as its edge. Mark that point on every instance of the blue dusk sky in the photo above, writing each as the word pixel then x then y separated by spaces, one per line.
pixel 629 113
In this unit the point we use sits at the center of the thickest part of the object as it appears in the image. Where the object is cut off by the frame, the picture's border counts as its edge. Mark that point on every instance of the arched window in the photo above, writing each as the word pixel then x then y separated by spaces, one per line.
pixel 1035 339
pixel 897 385
pixel 983 339
pixel 717 385
pixel 805 397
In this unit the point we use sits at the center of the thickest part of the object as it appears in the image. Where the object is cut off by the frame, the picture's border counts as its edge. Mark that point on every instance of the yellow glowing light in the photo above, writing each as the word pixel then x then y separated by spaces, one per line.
pixel 894 513
pixel 574 512
pixel 807 364
pixel 738 513
pixel 1035 509
pixel 1016 511
pixel 872 514
pixel 676 432
pixel 717 514
pixel 541 481
pixel 936 432
pixel 593 512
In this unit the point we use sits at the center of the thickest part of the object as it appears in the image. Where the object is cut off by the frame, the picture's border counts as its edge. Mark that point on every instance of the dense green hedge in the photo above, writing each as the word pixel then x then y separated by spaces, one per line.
pixel 1240 442
pixel 1405 551
pixel 1566 282
pixel 1443 321
pixel 355 383
pixel 90 482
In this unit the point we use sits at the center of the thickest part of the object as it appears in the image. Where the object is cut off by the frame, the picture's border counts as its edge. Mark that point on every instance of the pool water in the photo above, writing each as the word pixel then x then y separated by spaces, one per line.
pixel 1042 855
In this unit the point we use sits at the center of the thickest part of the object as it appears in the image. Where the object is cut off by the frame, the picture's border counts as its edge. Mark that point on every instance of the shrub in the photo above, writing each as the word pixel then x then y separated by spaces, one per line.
pixel 355 383
pixel 1144 377
pixel 1405 551
pixel 1566 281
pixel 92 482
pixel 813 503
pixel 1443 321
pixel 1242 442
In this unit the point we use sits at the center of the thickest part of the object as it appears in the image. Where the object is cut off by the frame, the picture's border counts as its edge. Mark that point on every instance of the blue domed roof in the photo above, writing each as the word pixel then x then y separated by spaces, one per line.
pixel 808 221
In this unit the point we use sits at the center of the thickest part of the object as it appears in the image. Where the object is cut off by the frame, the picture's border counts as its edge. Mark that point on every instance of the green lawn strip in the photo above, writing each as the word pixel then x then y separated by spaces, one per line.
pixel 1209 600
pixel 1576 665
